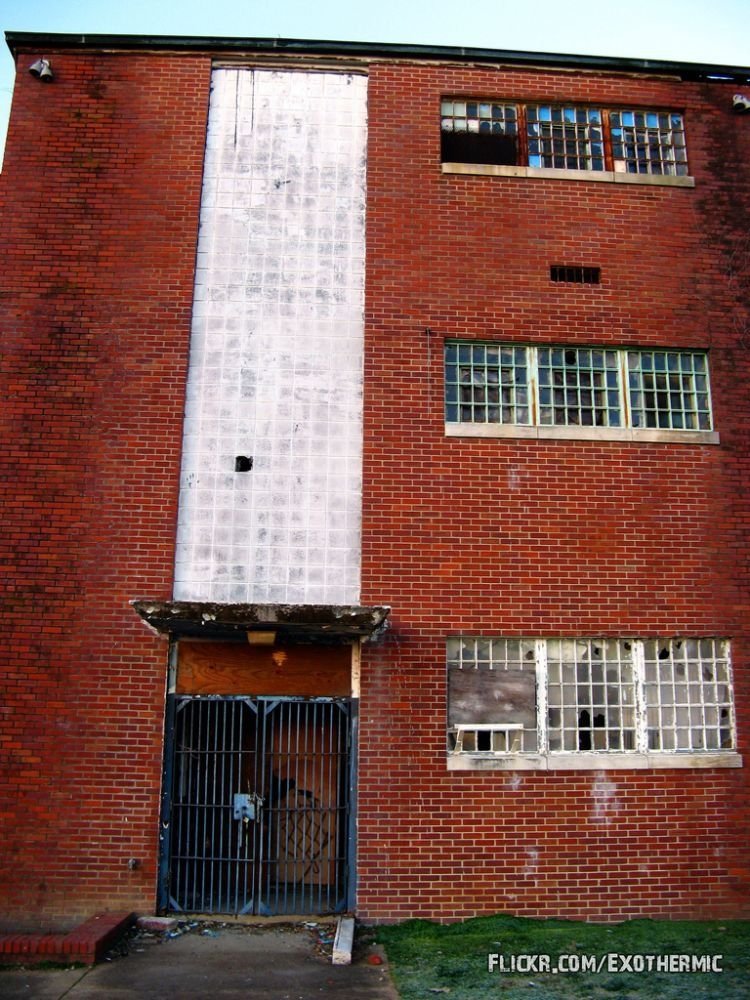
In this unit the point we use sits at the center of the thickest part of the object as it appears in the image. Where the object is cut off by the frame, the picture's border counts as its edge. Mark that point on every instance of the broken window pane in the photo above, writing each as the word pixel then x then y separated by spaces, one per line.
pixel 566 137
pixel 594 693
pixel 478 132
pixel 648 143
pixel 570 138
pixel 585 400
pixel 692 700
pixel 593 680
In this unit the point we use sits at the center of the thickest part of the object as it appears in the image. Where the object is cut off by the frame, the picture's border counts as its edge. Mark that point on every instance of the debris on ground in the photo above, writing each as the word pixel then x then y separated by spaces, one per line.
pixel 153 931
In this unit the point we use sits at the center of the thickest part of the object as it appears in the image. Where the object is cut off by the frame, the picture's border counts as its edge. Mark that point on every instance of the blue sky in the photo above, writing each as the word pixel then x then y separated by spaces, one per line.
pixel 704 31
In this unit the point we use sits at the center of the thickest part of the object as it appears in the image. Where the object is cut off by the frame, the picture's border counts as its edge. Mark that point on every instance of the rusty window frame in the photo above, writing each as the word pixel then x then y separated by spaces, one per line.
pixel 571 136
pixel 565 137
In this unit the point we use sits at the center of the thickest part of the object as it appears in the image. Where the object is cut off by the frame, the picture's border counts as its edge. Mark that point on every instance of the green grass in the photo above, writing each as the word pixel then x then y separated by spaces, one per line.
pixel 433 960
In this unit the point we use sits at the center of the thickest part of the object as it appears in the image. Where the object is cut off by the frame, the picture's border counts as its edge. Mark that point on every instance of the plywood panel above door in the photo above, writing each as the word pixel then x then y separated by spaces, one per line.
pixel 233 668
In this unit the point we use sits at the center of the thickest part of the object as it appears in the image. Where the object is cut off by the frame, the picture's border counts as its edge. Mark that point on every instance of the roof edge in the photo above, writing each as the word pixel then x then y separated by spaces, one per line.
pixel 17 40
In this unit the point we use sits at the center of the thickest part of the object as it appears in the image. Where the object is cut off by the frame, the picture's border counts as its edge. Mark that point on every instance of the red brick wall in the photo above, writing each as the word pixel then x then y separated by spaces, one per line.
pixel 504 537
pixel 100 195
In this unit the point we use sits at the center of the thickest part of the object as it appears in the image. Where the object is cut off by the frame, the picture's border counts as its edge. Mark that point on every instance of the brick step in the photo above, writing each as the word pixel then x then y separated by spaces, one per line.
pixel 84 945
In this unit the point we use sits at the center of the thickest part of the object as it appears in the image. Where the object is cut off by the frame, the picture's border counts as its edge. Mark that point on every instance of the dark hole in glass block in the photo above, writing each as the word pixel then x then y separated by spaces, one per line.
pixel 243 463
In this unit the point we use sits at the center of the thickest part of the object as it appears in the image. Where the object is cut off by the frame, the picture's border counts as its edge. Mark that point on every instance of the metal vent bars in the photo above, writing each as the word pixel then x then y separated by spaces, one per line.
pixel 575 275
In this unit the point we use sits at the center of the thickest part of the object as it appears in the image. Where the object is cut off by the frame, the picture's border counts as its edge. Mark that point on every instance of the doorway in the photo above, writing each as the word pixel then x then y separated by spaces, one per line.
pixel 257 811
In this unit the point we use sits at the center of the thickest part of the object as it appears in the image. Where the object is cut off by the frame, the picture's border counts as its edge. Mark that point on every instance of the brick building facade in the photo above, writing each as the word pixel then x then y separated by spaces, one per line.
pixel 375 482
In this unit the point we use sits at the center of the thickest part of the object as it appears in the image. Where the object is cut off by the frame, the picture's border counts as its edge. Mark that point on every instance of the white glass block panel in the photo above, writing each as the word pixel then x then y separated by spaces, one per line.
pixel 275 379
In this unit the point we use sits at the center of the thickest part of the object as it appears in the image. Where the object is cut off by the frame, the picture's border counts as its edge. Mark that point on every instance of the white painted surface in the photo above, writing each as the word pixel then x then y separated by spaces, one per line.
pixel 344 942
pixel 276 350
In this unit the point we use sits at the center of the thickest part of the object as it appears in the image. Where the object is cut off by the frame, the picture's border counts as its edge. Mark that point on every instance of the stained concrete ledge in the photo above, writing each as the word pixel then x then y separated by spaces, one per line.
pixel 327 624
pixel 343 942
pixel 84 945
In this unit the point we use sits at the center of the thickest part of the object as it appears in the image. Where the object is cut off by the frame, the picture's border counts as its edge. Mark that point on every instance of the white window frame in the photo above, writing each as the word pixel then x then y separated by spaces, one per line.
pixel 641 756
pixel 627 430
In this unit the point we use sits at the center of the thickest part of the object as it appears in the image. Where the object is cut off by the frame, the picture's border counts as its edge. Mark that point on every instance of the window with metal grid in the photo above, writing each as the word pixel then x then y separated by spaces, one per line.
pixel 579 387
pixel 567 138
pixel 590 694
pixel 584 695
pixel 478 132
pixel 487 383
pixel 576 387
pixel 688 694
pixel 649 142
pixel 669 389
pixel 563 137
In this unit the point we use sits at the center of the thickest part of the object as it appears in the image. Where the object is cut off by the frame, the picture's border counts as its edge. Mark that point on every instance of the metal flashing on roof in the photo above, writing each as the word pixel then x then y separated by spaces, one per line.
pixel 324 624
pixel 21 40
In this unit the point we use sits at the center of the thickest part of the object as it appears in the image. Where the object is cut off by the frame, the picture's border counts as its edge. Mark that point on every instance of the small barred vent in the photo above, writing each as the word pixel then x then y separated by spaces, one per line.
pixel 576 275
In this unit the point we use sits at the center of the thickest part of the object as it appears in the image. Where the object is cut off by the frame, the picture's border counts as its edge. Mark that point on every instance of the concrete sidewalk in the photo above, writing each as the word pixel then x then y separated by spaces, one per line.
pixel 213 960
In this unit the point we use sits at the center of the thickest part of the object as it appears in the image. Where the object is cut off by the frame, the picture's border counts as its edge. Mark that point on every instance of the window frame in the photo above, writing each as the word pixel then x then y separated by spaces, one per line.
pixel 609 168
pixel 540 399
pixel 641 755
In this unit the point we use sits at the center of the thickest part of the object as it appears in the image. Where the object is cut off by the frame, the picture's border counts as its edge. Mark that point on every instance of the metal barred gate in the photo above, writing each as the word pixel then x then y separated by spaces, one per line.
pixel 257 806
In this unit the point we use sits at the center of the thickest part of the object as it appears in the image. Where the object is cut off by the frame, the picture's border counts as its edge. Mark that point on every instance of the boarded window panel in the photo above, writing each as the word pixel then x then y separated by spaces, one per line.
pixel 499 697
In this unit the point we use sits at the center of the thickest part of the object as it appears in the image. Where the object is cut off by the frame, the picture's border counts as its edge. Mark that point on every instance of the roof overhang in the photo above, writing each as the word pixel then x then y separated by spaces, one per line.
pixel 323 624
pixel 226 46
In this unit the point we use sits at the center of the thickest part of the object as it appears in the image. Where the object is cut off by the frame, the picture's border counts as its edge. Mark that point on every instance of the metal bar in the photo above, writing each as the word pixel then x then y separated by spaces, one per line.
pixel 352 747
pixel 250 771
pixel 181 829
pixel 266 735
pixel 167 786
pixel 206 844
pixel 297 816
pixel 234 837
pixel 333 807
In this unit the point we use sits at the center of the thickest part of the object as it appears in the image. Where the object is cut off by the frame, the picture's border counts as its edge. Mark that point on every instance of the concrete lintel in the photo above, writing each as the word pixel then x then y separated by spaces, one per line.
pixel 328 624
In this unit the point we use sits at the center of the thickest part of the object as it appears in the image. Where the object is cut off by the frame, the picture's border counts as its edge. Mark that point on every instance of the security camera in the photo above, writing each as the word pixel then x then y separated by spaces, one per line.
pixel 741 103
